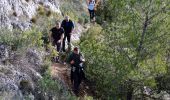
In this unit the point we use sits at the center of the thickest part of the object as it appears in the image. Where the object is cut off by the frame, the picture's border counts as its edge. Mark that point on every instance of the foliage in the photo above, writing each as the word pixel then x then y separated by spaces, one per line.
pixel 80 20
pixel 75 10
pixel 129 52
pixel 38 36
pixel 50 87
pixel 18 39
pixel 67 9
pixel 47 84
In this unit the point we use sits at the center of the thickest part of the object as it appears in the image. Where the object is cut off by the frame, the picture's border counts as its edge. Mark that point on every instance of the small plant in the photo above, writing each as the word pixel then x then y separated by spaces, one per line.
pixel 15 14
pixel 41 10
pixel 27 0
pixel 48 13
pixel 86 20
pixel 40 3
pixel 25 86
pixel 48 84
pixel 33 20
pixel 81 20
pixel 68 9
pixel 46 65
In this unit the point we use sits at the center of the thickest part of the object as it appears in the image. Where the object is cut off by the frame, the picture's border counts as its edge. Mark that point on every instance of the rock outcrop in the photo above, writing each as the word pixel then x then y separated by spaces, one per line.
pixel 19 72
pixel 17 13
pixel 18 78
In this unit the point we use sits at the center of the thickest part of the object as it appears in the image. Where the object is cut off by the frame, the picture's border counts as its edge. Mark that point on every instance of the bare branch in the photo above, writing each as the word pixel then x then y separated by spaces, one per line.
pixel 154 15
pixel 126 54
pixel 156 38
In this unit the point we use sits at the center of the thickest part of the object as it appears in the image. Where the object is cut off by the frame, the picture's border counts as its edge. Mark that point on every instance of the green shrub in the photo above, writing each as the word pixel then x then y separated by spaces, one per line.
pixel 15 14
pixel 27 0
pixel 41 10
pixel 46 65
pixel 85 17
pixel 68 10
pixel 81 20
pixel 50 87
pixel 48 13
pixel 47 84
pixel 18 39
pixel 33 20
pixel 110 62
pixel 86 20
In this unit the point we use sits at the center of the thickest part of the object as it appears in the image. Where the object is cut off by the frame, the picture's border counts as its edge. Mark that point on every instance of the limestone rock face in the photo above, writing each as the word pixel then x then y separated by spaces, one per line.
pixel 17 13
pixel 20 71
pixel 4 52
pixel 20 76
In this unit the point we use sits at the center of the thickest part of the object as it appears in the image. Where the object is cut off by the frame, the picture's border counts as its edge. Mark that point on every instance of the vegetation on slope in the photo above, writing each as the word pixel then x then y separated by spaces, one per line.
pixel 127 54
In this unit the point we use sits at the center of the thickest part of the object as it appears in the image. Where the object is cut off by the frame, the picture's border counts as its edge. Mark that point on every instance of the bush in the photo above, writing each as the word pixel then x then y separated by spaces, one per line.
pixel 67 9
pixel 48 85
pixel 33 20
pixel 41 10
pixel 27 0
pixel 51 88
pixel 15 14
pixel 18 39
pixel 86 20
pixel 108 66
pixel 81 20
pixel 48 13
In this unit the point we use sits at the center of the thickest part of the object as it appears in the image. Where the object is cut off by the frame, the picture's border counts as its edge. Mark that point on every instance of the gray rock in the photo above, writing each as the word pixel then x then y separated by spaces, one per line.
pixel 35 57
pixel 4 52
pixel 11 79
pixel 24 11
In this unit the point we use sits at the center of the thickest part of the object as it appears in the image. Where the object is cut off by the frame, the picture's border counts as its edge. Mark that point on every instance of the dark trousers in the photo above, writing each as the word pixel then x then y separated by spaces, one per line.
pixel 92 14
pixel 76 79
pixel 68 36
pixel 58 49
pixel 71 76
pixel 58 46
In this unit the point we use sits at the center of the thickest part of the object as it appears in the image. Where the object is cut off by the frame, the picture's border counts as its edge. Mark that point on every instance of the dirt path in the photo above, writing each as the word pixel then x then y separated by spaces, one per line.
pixel 63 72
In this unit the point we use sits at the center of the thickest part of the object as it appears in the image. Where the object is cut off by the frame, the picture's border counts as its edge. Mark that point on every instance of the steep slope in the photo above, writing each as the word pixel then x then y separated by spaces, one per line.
pixel 21 70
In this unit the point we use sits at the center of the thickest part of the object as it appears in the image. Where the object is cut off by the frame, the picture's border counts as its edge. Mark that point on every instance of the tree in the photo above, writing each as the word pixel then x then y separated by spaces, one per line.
pixel 130 51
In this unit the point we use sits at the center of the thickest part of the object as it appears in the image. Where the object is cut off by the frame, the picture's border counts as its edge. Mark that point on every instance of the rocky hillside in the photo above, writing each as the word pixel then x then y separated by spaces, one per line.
pixel 19 73
pixel 22 70
pixel 17 13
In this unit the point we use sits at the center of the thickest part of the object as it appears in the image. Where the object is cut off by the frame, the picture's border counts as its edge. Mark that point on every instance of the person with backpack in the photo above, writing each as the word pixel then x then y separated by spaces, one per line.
pixel 91 8
pixel 77 74
pixel 56 37
pixel 68 26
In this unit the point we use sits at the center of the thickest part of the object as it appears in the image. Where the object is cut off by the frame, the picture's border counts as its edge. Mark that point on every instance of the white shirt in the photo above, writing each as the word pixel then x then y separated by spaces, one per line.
pixel 91 5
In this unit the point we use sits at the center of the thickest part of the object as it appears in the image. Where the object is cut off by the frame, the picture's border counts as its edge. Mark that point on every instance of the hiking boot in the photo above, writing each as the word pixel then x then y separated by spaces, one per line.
pixel 63 50
pixel 57 59
pixel 76 92
pixel 64 63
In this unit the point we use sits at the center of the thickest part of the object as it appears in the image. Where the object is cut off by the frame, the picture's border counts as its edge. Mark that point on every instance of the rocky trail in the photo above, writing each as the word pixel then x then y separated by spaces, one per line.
pixel 60 71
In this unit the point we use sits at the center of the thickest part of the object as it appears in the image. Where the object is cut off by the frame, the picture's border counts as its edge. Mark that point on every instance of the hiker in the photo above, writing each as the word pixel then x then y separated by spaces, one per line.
pixel 68 26
pixel 91 8
pixel 56 37
pixel 76 61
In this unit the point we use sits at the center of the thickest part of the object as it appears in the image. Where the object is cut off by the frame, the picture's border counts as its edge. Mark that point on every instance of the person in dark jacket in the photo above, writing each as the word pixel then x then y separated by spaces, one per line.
pixel 68 26
pixel 56 36
pixel 76 60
